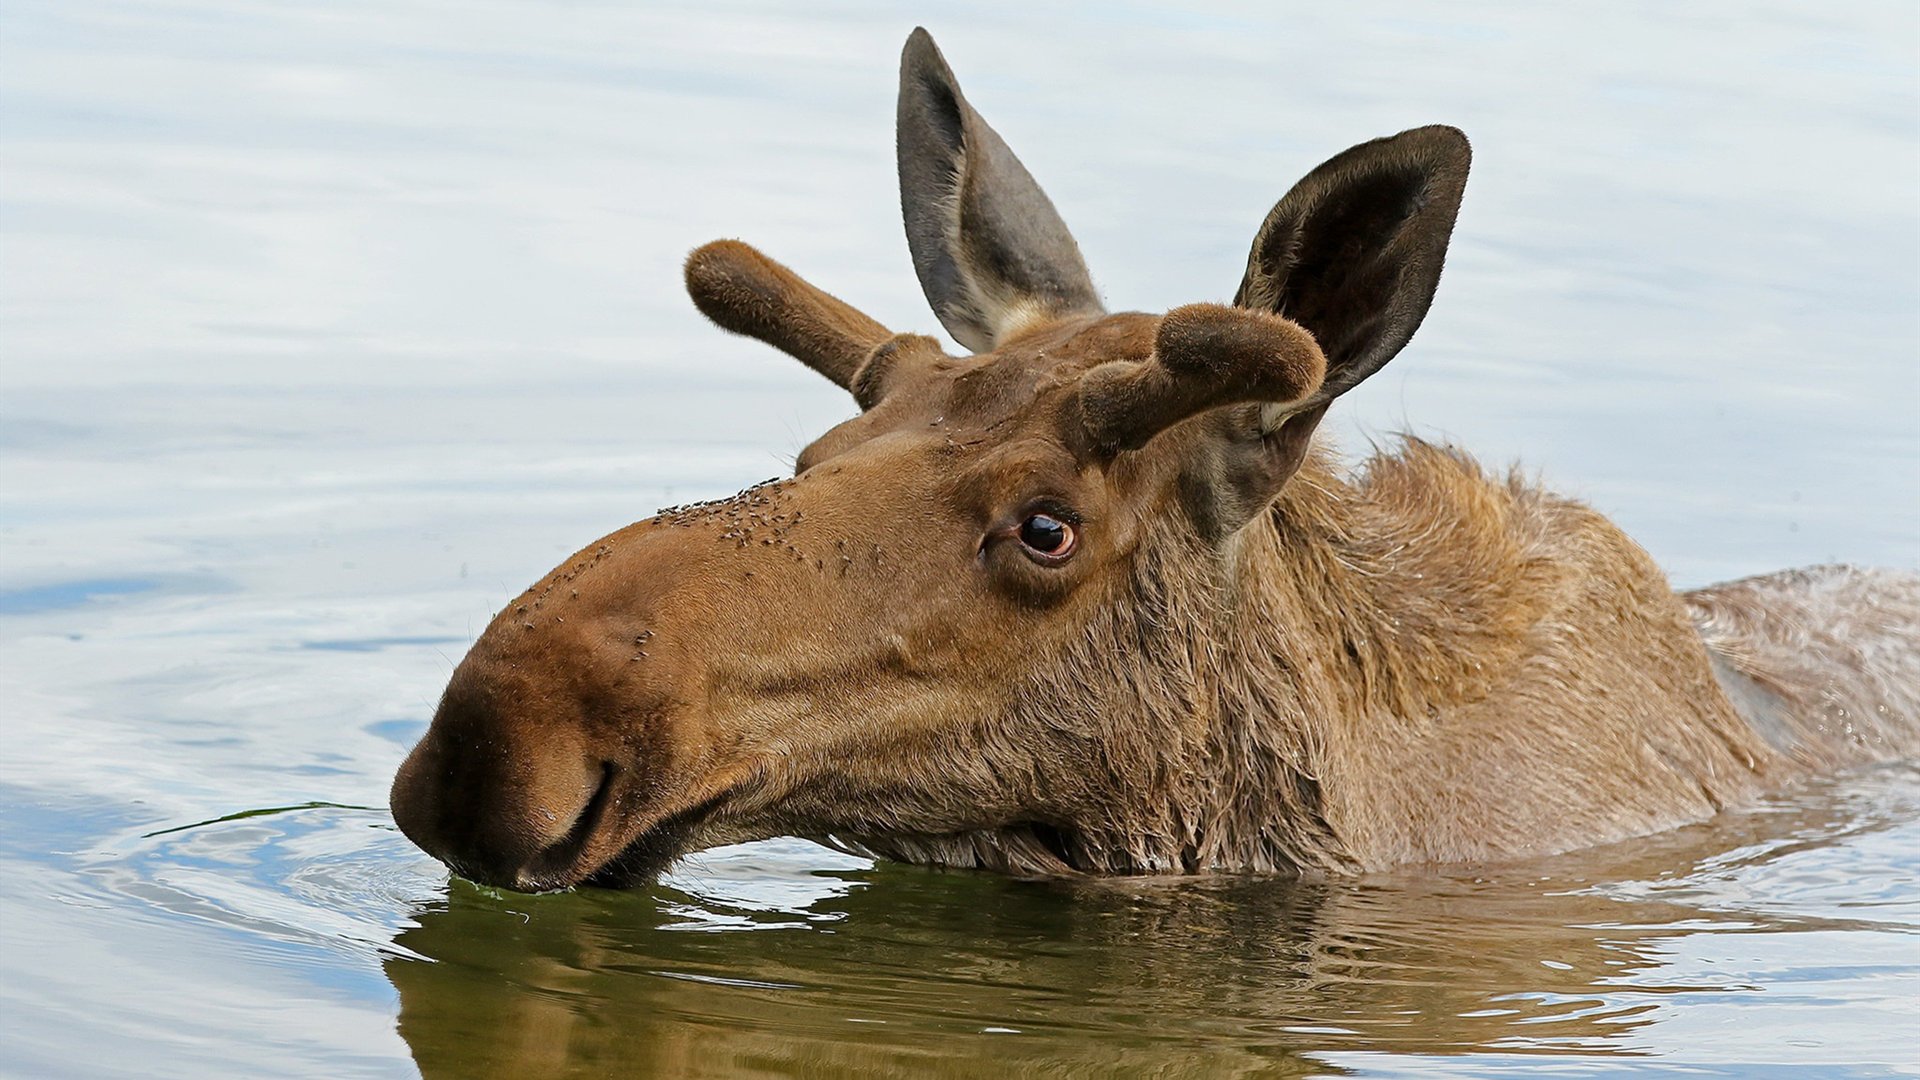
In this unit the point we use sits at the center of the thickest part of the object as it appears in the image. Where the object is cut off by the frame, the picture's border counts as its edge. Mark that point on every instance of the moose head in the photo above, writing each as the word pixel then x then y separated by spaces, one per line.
pixel 985 621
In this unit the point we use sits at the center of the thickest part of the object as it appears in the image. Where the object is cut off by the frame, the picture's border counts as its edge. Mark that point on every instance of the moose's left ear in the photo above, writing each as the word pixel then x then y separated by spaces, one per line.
pixel 991 252
pixel 1348 262
pixel 1353 252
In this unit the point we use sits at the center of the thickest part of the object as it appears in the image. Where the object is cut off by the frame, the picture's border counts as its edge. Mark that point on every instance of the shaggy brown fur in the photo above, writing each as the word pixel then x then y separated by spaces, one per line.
pixel 1093 600
pixel 1430 665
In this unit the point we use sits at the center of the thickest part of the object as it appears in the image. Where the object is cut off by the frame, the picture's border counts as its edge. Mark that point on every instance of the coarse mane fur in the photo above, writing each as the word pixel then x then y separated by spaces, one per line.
pixel 1339 701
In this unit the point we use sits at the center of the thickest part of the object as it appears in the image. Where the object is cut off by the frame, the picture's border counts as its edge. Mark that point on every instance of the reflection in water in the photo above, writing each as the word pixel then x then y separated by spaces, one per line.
pixel 904 971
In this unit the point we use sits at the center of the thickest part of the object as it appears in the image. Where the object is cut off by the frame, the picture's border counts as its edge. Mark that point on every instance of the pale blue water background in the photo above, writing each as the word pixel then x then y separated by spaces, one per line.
pixel 325 328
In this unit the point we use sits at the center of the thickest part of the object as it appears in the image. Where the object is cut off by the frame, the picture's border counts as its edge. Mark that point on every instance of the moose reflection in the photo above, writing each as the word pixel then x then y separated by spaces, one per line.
pixel 1095 600
pixel 590 981
pixel 899 971
pixel 1183 977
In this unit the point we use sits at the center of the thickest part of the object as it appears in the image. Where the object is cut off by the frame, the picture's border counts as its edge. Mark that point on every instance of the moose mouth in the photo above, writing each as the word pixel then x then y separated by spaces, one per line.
pixel 655 848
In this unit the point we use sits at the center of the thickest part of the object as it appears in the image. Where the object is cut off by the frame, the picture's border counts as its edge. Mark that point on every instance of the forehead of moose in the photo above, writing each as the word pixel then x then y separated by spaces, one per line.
pixel 982 393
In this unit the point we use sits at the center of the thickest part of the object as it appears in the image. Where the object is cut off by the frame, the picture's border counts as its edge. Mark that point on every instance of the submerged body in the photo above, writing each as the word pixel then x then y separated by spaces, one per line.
pixel 1823 662
pixel 1091 600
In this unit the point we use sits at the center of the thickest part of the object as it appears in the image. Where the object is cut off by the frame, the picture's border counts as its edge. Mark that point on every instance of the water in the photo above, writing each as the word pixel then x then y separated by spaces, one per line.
pixel 326 328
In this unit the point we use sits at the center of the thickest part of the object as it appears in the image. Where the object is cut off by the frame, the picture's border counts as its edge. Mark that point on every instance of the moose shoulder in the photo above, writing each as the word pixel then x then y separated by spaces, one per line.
pixel 1093 599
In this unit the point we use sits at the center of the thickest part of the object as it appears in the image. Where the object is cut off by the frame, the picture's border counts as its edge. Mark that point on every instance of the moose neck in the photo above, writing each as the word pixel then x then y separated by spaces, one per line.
pixel 1219 692
pixel 1229 697
pixel 1419 663
pixel 1352 607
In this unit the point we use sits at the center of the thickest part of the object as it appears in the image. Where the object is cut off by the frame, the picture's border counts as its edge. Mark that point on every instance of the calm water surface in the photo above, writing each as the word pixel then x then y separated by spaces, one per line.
pixel 326 328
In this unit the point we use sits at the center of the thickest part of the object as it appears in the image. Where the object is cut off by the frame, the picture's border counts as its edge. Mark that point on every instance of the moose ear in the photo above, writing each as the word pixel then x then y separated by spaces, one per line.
pixel 1353 252
pixel 1341 274
pixel 992 254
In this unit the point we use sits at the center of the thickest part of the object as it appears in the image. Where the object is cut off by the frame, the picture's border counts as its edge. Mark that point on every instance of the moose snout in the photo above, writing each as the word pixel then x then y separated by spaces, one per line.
pixel 504 791
pixel 576 740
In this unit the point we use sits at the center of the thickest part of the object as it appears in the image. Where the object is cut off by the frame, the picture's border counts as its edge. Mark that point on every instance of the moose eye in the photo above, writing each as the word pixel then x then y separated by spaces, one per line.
pixel 1047 538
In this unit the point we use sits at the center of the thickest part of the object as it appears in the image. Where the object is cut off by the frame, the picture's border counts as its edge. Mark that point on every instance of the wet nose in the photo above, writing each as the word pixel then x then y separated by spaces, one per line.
pixel 502 798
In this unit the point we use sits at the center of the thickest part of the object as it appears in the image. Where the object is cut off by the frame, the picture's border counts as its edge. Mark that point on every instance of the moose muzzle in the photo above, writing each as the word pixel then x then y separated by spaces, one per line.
pixel 565 731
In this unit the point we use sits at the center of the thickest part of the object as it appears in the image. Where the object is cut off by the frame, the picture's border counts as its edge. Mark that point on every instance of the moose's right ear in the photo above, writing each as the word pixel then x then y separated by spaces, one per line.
pixel 1353 252
pixel 992 254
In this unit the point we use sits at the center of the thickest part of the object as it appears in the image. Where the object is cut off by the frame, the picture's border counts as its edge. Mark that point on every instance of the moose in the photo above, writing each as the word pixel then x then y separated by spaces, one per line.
pixel 1094 599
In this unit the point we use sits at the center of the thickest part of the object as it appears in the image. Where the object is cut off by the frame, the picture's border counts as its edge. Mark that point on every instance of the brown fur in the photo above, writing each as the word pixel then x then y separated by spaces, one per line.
pixel 1245 659
pixel 1425 665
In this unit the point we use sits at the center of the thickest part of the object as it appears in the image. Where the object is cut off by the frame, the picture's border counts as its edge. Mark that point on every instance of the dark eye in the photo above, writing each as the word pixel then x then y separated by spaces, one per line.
pixel 1047 538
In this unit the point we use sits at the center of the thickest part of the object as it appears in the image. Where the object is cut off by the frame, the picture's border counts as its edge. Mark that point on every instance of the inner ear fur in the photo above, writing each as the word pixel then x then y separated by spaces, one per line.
pixel 747 293
pixel 991 252
pixel 1204 356
pixel 1348 260
pixel 1354 251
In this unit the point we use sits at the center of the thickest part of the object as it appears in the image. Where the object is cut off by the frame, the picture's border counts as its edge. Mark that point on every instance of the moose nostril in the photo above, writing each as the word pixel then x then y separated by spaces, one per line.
pixel 595 809
pixel 551 865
